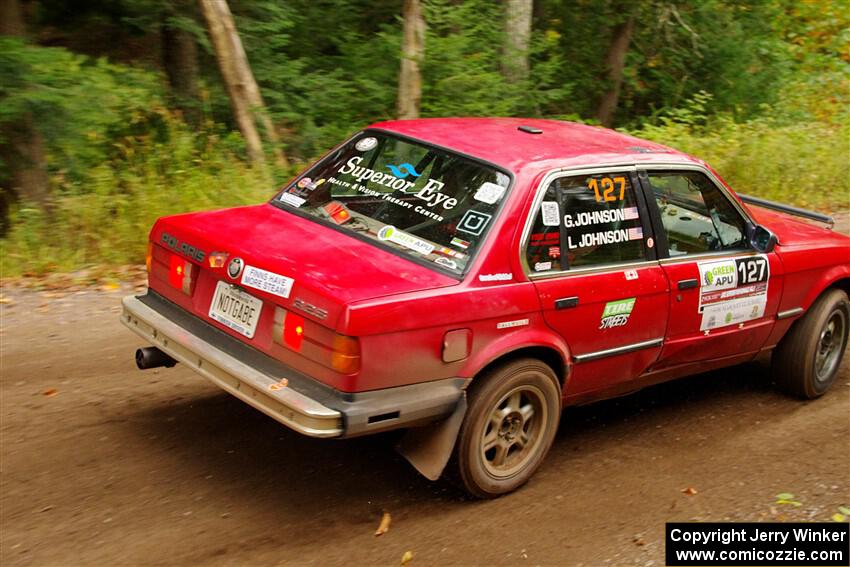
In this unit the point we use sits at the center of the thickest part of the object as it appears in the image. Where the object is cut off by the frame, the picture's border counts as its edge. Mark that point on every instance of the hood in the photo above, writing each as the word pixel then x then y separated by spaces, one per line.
pixel 792 231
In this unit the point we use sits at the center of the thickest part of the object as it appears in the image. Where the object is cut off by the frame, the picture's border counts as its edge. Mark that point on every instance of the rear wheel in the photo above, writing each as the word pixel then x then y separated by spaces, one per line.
pixel 807 359
pixel 509 427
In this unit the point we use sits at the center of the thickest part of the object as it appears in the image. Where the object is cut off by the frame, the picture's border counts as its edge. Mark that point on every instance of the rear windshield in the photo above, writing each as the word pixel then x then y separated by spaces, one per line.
pixel 427 203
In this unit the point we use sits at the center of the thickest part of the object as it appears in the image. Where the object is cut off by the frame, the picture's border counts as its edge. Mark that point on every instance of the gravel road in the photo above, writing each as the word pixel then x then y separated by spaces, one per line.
pixel 105 465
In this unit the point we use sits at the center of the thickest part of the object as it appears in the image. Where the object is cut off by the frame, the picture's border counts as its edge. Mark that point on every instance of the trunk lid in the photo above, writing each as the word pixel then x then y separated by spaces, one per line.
pixel 330 269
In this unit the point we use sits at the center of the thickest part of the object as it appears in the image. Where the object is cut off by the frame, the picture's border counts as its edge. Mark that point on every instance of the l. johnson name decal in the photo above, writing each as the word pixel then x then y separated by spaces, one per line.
pixel 605 237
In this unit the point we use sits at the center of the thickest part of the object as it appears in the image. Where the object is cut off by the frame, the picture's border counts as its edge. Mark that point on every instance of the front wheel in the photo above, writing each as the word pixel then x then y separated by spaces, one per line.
pixel 806 361
pixel 509 427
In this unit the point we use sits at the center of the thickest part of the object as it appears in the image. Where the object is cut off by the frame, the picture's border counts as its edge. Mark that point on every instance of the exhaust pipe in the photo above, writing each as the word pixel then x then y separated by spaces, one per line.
pixel 152 357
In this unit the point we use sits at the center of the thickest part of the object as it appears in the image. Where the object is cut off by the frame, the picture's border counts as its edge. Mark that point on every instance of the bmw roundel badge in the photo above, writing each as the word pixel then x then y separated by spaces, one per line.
pixel 234 268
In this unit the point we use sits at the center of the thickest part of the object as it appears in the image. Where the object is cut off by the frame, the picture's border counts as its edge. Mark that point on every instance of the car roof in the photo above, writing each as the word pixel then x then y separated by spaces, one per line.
pixel 559 144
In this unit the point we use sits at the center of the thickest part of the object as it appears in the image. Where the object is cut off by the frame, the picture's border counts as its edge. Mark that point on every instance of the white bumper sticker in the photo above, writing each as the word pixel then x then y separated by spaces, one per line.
pixel 267 281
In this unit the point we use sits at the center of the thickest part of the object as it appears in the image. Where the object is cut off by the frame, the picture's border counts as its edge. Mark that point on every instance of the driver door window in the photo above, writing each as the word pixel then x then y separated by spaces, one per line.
pixel 697 217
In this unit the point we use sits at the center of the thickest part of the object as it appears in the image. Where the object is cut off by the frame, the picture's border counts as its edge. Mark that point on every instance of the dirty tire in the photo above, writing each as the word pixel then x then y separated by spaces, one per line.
pixel 509 427
pixel 806 361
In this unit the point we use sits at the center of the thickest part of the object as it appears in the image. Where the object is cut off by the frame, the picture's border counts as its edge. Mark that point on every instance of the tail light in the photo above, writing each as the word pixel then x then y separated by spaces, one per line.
pixel 317 343
pixel 345 357
pixel 293 331
pixel 217 259
pixel 180 274
pixel 149 257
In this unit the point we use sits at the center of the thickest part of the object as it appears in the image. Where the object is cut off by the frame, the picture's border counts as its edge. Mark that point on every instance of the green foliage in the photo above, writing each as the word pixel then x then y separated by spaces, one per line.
pixel 799 162
pixel 757 89
pixel 326 81
pixel 462 61
pixel 105 221
pixel 79 105
pixel 725 48
pixel 322 80
pixel 462 74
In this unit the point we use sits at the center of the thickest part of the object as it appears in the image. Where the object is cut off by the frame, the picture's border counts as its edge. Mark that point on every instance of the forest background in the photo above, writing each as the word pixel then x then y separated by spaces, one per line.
pixel 116 112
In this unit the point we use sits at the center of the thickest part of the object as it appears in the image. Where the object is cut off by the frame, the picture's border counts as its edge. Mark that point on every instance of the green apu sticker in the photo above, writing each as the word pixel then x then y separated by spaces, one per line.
pixel 616 313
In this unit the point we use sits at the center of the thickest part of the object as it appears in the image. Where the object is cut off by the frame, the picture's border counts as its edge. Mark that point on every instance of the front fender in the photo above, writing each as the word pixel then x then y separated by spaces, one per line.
pixel 827 279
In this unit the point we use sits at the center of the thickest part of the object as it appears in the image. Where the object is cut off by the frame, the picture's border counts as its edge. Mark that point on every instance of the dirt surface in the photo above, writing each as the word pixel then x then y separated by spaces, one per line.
pixel 102 464
pixel 105 465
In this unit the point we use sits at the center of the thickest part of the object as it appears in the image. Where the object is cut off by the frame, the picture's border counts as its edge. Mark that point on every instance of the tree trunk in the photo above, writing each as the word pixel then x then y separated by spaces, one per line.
pixel 241 86
pixel 517 38
pixel 412 53
pixel 180 60
pixel 30 170
pixel 23 150
pixel 614 63
pixel 11 19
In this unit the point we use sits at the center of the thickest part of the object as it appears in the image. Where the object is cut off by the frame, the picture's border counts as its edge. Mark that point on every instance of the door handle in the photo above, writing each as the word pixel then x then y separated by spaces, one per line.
pixel 688 284
pixel 566 302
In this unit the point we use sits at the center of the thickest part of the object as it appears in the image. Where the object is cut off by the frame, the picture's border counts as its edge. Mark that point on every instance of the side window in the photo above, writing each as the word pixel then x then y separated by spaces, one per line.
pixel 586 221
pixel 696 215
pixel 544 243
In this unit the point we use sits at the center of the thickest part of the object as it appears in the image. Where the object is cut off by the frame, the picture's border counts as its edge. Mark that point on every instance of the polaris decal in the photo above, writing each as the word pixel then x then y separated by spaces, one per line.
pixel 187 249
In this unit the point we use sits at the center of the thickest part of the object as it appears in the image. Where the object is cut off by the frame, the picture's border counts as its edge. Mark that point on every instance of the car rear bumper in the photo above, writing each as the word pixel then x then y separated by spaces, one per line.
pixel 303 404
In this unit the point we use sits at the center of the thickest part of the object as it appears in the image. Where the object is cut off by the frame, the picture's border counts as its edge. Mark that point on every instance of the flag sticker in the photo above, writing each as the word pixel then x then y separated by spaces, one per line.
pixel 630 213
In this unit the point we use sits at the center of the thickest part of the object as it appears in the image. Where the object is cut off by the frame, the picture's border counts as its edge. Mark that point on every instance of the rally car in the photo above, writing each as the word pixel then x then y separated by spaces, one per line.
pixel 467 279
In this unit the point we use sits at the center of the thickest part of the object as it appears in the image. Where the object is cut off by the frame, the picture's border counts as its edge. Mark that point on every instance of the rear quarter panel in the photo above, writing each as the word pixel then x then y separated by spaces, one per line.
pixel 411 349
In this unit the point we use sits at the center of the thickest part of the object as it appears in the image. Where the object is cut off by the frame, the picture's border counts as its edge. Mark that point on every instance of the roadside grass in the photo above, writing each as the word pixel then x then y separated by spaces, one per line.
pixel 105 220
pixel 806 164
pixel 796 151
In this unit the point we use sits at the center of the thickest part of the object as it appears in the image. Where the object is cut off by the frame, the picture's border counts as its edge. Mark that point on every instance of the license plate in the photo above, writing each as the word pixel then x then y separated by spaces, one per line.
pixel 236 309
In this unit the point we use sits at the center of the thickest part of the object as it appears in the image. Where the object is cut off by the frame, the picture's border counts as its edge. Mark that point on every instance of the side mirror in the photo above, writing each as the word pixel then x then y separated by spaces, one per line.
pixel 762 239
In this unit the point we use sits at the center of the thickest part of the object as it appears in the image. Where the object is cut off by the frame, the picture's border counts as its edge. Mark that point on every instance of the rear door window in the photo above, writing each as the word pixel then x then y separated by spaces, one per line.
pixel 587 221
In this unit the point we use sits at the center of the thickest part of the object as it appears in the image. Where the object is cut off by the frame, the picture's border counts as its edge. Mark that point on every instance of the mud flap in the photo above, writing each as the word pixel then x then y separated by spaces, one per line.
pixel 429 448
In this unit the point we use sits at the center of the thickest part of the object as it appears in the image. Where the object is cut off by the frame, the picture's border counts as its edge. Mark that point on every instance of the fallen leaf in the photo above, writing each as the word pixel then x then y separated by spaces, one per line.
pixel 406 558
pixel 384 526
pixel 638 540
pixel 839 518
pixel 844 510
pixel 690 491
pixel 110 287
pixel 787 498
pixel 50 392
